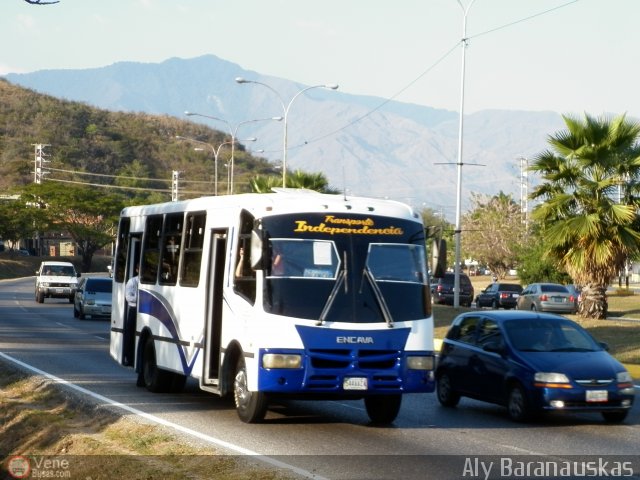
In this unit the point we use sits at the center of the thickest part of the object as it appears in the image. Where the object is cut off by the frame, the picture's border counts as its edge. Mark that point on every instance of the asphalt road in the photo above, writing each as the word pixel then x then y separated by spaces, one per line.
pixel 315 439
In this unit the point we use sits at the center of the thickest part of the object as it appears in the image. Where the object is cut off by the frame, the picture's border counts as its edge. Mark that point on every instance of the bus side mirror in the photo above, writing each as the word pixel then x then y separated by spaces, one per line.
pixel 438 257
pixel 256 250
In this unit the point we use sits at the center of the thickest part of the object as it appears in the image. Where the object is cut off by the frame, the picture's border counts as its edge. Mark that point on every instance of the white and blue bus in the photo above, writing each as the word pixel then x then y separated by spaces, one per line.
pixel 292 294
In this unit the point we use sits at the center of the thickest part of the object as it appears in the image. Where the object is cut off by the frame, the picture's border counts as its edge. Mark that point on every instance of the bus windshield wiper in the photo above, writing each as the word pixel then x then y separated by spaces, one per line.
pixel 332 296
pixel 386 313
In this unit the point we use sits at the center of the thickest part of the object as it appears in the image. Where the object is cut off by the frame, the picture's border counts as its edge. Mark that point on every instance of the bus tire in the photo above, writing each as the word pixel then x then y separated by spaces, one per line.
pixel 383 409
pixel 178 382
pixel 251 406
pixel 155 379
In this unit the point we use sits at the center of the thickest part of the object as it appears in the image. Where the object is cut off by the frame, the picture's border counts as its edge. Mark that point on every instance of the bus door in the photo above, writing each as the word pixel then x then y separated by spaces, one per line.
pixel 129 327
pixel 213 321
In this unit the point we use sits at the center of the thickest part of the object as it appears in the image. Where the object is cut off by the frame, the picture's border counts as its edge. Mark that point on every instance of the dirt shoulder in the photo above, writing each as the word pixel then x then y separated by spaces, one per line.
pixel 43 425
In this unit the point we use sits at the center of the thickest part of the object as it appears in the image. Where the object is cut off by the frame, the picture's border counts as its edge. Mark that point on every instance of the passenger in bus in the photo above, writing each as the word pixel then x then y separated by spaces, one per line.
pixel 131 295
pixel 240 267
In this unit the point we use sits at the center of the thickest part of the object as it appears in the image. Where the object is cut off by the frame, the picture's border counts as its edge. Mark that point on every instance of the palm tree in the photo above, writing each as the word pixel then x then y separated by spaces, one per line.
pixel 297 179
pixel 591 195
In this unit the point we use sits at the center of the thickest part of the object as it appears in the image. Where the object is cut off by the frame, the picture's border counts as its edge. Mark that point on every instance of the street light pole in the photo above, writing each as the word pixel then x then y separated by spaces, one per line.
pixel 216 153
pixel 232 132
pixel 458 228
pixel 285 110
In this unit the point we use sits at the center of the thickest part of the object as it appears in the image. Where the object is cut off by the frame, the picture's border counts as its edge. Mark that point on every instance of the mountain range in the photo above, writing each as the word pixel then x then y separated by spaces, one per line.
pixel 365 145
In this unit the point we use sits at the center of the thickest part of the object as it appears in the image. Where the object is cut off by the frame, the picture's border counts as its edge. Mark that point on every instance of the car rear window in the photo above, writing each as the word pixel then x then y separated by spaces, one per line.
pixel 553 288
pixel 99 286
pixel 505 287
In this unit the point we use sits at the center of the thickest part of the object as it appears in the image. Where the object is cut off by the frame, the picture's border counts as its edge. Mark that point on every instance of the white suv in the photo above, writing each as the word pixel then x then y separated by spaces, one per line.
pixel 56 279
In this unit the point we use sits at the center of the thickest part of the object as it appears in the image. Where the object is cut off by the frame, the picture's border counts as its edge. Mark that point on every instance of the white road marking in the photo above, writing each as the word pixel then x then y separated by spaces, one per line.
pixel 161 421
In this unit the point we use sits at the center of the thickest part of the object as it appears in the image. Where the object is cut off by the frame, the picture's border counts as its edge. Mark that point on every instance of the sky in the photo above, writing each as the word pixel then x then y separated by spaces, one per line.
pixel 567 56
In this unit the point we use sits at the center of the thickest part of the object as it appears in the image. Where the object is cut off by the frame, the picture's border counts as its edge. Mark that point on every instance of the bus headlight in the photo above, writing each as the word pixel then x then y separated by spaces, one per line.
pixel 420 363
pixel 281 360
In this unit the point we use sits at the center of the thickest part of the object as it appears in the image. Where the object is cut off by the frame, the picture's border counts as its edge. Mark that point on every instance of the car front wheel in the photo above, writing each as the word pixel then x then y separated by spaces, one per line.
pixel 446 395
pixel 614 417
pixel 517 404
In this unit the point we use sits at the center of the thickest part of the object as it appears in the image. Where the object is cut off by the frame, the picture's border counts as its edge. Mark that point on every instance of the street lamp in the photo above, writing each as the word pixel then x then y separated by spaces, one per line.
pixel 232 132
pixel 215 151
pixel 285 110
pixel 458 228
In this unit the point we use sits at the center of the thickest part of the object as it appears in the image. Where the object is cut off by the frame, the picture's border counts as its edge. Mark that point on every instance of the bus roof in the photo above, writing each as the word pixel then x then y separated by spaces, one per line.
pixel 283 200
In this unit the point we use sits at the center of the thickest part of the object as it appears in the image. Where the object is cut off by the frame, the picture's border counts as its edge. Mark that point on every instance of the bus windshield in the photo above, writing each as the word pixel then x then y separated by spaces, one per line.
pixel 347 268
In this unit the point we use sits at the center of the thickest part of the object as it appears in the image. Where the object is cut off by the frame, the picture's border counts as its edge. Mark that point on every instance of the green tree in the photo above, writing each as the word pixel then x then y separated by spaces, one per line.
pixel 493 232
pixel 89 215
pixel 591 194
pixel 534 265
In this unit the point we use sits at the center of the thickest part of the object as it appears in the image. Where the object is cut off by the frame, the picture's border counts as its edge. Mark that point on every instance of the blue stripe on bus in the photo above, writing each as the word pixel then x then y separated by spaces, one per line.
pixel 157 307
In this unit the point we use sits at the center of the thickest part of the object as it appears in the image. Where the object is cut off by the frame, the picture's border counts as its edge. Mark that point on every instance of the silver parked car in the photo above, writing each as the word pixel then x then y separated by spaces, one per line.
pixel 547 297
pixel 93 297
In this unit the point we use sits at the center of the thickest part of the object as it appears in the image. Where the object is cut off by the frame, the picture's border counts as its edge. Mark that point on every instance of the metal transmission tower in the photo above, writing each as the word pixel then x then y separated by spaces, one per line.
pixel 40 160
pixel 524 192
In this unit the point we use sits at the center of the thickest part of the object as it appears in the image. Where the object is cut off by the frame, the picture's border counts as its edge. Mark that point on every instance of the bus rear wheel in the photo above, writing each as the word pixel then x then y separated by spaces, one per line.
pixel 251 406
pixel 383 409
pixel 153 378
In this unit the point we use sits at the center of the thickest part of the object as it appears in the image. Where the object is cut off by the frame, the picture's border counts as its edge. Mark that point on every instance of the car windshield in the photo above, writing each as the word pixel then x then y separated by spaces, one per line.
pixel 59 270
pixel 544 335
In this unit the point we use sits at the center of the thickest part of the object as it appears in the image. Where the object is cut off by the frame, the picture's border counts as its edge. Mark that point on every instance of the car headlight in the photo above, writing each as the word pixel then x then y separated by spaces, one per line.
pixel 44 284
pixel 551 380
pixel 420 363
pixel 281 360
pixel 624 377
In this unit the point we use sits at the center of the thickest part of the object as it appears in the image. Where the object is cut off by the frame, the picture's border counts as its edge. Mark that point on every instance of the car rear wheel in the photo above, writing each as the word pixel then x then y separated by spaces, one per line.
pixel 446 395
pixel 494 305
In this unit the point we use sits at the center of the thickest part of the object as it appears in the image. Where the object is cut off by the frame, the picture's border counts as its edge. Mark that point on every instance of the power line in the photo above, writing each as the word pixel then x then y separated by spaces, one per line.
pixel 104 175
pixel 428 70
pixel 102 185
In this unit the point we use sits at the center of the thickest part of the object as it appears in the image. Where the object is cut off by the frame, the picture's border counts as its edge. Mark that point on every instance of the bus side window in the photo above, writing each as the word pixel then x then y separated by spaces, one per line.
pixel 151 249
pixel 192 249
pixel 172 237
pixel 245 277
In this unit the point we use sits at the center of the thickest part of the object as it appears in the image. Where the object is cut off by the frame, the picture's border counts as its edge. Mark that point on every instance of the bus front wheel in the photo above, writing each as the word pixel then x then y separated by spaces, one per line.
pixel 251 406
pixel 383 408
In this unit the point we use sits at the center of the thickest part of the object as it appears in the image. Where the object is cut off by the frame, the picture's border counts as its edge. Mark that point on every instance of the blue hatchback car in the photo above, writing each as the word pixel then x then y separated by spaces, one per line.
pixel 531 362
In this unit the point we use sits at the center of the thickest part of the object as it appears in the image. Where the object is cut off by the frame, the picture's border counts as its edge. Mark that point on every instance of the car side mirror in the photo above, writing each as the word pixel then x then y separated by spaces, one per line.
pixel 604 345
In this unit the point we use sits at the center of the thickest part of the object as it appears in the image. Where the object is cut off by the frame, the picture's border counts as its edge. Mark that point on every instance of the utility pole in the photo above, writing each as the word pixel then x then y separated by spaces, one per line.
pixel 524 192
pixel 175 179
pixel 40 159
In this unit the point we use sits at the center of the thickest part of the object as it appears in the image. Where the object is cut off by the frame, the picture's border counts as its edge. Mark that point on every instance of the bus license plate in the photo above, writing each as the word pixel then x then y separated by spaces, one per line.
pixel 597 396
pixel 354 383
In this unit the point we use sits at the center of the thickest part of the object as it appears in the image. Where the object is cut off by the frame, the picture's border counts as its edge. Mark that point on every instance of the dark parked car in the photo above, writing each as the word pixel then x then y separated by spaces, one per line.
pixel 499 295
pixel 93 297
pixel 547 297
pixel 531 362
pixel 442 291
